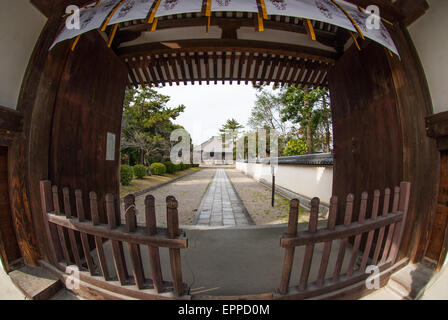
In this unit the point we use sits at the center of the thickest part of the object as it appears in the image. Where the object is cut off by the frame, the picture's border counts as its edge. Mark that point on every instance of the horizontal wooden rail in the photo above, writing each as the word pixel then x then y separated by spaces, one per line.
pixel 140 236
pixel 304 238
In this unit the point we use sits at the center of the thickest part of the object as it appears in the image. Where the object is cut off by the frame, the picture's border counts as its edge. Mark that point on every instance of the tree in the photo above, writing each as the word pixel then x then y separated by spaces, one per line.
pixel 301 107
pixel 323 123
pixel 233 128
pixel 266 113
pixel 147 124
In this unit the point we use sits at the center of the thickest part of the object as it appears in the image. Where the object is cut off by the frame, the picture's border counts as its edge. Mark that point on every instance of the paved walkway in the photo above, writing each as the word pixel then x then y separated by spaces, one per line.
pixel 188 192
pixel 221 205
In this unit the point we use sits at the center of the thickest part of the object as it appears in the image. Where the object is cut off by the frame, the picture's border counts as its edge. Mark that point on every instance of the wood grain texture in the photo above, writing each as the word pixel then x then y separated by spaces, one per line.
pixel 421 161
pixel 88 107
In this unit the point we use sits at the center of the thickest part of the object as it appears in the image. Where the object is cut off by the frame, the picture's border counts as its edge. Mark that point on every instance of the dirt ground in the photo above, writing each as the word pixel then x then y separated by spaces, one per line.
pixel 151 181
pixel 257 199
pixel 188 191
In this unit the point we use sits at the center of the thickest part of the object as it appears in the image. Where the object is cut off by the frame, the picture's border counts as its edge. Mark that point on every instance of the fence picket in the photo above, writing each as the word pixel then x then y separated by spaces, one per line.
pixel 134 249
pixel 379 243
pixel 154 254
pixel 327 245
pixel 390 232
pixel 55 250
pixel 309 250
pixel 84 238
pixel 368 247
pixel 343 242
pixel 71 233
pixel 357 242
pixel 289 252
pixel 173 231
pixel 98 240
pixel 405 191
pixel 117 246
pixel 61 233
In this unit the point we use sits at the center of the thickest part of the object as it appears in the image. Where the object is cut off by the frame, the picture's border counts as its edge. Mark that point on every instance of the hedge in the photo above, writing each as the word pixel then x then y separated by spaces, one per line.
pixel 126 174
pixel 157 168
pixel 140 171
pixel 170 167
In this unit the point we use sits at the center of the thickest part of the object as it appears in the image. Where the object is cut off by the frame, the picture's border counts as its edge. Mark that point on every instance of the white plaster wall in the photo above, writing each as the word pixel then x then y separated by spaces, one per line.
pixel 429 34
pixel 308 181
pixel 20 26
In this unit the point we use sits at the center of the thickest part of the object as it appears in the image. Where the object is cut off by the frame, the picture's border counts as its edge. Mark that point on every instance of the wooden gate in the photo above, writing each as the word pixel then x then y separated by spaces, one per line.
pixel 71 238
pixel 373 242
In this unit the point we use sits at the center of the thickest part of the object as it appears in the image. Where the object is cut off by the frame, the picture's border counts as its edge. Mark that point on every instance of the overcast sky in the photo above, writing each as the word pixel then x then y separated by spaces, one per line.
pixel 209 106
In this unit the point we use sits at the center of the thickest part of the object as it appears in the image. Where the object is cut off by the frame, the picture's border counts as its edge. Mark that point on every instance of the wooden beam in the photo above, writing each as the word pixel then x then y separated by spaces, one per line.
pixel 411 10
pixel 437 125
pixel 10 120
pixel 201 45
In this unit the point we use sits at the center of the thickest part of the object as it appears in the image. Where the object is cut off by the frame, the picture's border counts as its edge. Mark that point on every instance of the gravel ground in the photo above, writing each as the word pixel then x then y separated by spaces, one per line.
pixel 257 199
pixel 188 192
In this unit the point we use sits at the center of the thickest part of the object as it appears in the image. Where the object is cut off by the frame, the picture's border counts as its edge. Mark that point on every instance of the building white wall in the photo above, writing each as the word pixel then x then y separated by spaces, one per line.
pixel 307 181
pixel 429 34
pixel 20 26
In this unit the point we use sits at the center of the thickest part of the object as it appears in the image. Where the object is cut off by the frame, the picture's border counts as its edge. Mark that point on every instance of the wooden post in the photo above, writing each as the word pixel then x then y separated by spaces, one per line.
pixel 62 237
pixel 54 250
pixel 309 250
pixel 84 238
pixel 361 219
pixel 327 246
pixel 134 249
pixel 379 243
pixel 154 255
pixel 98 240
pixel 173 232
pixel 405 192
pixel 117 246
pixel 289 252
pixel 71 233
pixel 343 242
pixel 390 232
pixel 376 202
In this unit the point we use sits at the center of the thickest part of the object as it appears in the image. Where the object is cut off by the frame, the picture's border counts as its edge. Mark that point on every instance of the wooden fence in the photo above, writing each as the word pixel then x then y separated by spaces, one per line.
pixel 72 237
pixel 373 241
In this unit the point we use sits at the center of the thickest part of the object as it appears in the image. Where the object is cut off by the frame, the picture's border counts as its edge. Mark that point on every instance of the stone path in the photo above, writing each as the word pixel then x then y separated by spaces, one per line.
pixel 221 205
pixel 188 192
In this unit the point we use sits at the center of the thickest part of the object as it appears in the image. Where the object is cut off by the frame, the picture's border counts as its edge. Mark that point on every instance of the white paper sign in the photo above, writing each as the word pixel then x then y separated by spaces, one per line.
pixel 169 7
pixel 235 5
pixel 132 10
pixel 110 148
pixel 90 19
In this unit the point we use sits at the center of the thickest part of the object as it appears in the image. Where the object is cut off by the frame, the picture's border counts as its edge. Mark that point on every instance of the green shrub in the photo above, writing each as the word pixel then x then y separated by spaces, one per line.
pixel 140 171
pixel 295 147
pixel 170 167
pixel 126 174
pixel 179 167
pixel 184 166
pixel 157 168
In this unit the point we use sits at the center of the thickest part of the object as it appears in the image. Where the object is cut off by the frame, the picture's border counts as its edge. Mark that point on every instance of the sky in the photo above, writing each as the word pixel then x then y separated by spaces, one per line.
pixel 208 107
